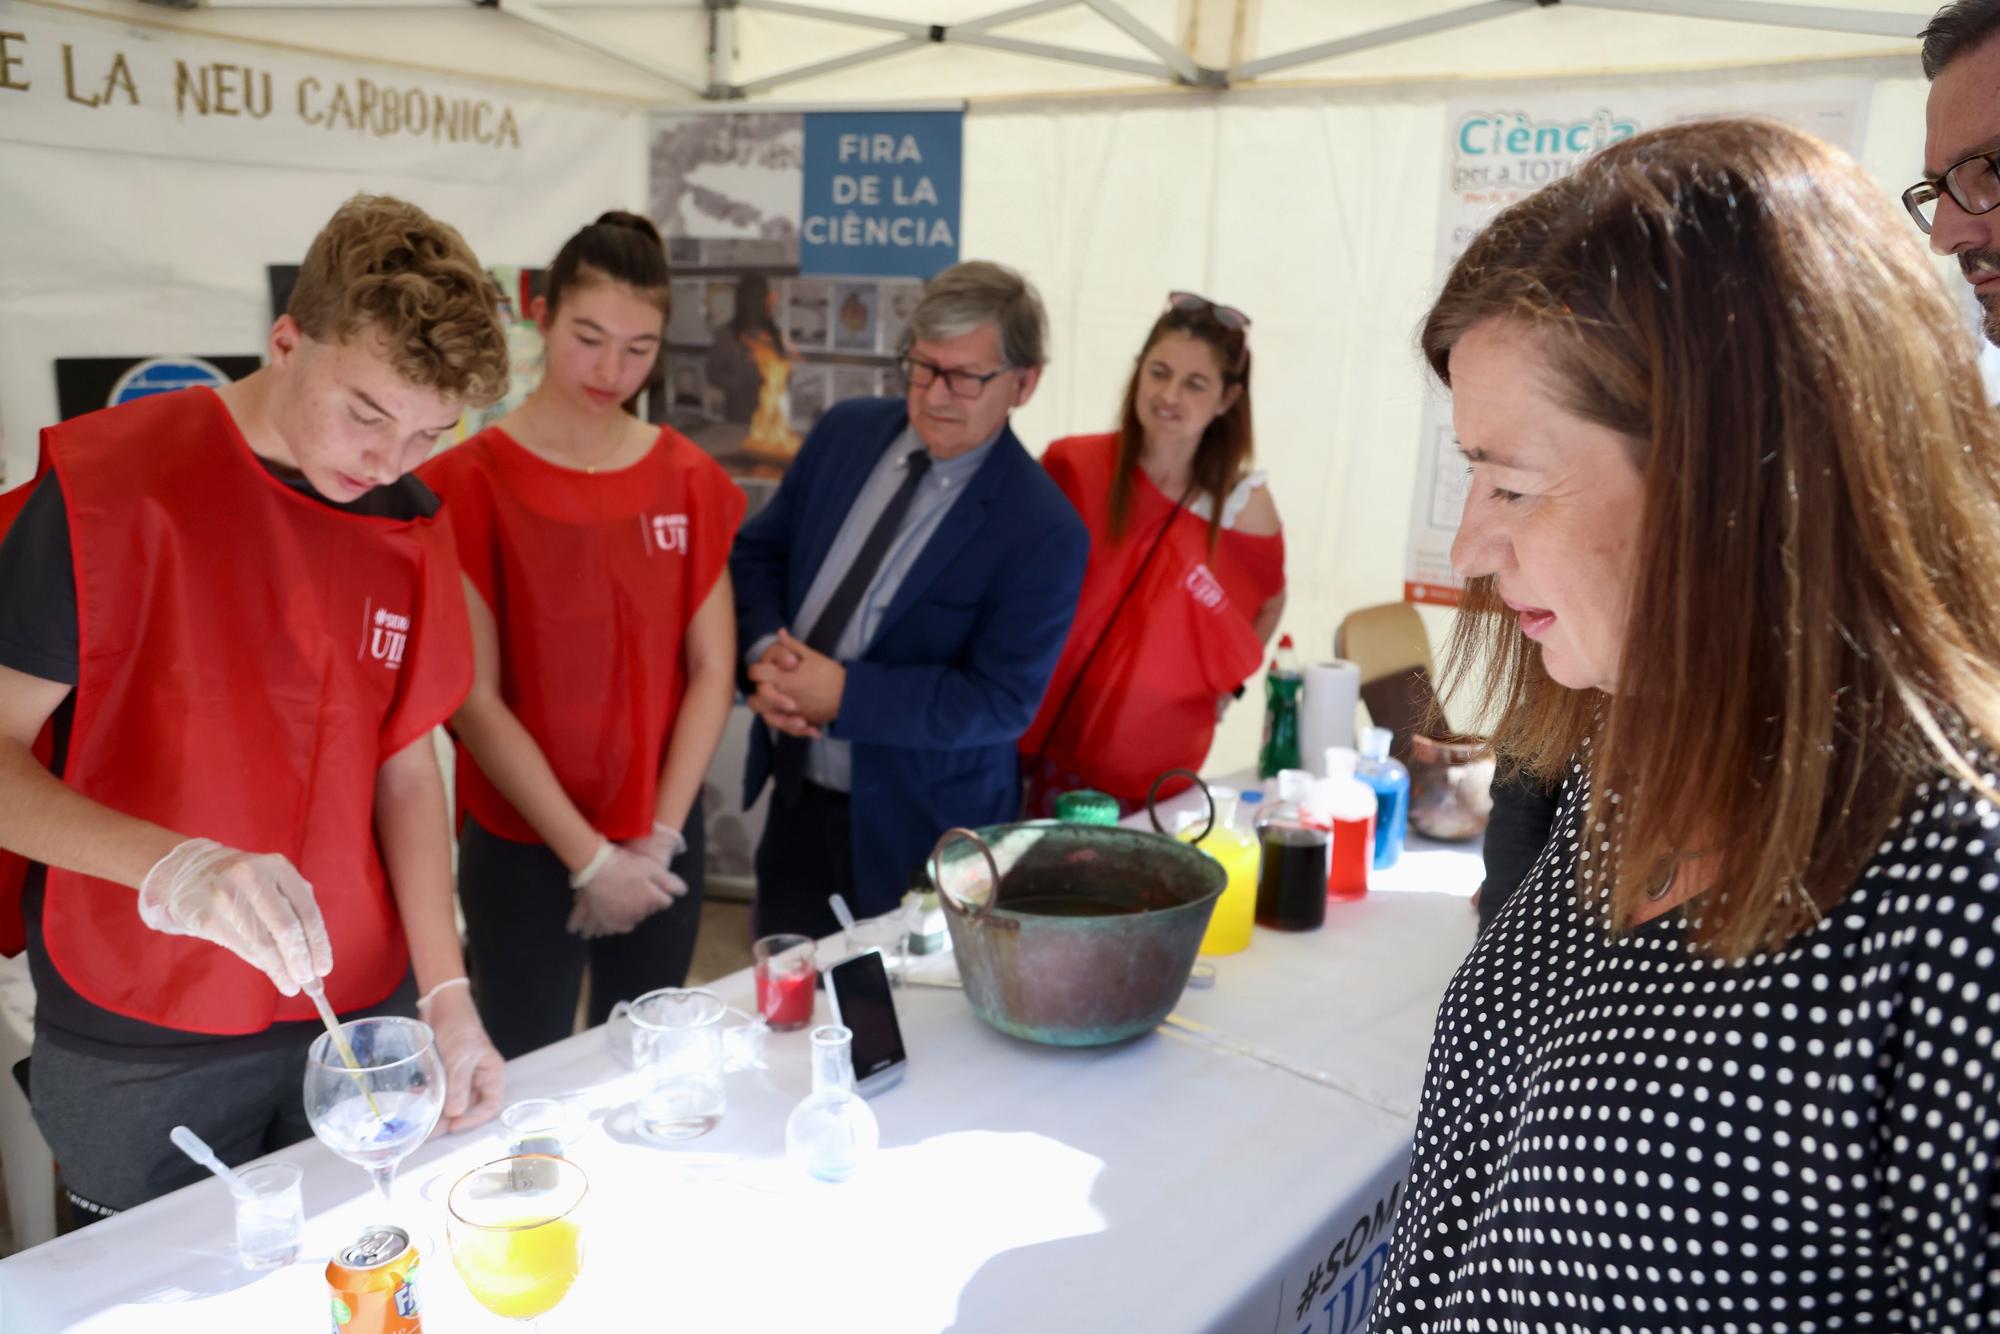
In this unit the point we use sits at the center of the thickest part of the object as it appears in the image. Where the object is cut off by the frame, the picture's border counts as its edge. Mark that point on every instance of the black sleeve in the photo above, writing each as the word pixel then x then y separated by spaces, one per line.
pixel 1524 812
pixel 38 629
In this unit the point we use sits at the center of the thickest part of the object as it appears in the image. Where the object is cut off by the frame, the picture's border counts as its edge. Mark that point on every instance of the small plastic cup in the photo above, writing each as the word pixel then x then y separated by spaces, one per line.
pixel 539 1125
pixel 270 1215
pixel 787 969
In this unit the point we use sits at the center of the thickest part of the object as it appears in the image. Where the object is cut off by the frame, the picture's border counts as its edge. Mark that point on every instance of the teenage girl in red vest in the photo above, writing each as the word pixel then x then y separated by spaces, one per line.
pixel 1187 567
pixel 240 622
pixel 595 549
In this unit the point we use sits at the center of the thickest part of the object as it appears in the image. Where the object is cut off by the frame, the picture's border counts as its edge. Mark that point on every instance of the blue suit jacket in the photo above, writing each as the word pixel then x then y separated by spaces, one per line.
pixel 936 705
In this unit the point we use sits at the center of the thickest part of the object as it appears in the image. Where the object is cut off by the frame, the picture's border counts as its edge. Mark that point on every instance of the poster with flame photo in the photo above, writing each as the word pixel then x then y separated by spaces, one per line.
pixel 799 244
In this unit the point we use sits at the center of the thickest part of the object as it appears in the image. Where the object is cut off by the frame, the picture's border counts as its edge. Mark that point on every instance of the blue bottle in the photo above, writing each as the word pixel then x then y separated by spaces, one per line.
pixel 1391 783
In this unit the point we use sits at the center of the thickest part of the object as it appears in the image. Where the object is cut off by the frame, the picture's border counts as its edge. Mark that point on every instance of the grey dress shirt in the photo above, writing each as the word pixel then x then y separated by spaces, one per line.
pixel 829 762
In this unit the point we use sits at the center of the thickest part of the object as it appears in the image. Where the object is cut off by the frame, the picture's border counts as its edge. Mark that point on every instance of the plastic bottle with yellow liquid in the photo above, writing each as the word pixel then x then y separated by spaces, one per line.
pixel 1241 858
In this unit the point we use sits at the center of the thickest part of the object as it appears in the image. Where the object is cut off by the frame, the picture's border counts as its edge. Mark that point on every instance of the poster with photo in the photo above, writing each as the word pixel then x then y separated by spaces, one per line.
pixel 812 395
pixel 856 382
pixel 689 387
pixel 720 297
pixel 854 321
pixel 688 319
pixel 898 303
pixel 806 313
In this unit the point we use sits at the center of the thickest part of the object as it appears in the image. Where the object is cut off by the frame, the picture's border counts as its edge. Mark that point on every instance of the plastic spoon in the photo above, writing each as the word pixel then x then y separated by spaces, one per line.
pixel 196 1148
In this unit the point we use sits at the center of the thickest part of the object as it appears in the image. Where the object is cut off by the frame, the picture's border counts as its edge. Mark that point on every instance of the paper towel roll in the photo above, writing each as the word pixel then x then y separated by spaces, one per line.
pixel 1326 711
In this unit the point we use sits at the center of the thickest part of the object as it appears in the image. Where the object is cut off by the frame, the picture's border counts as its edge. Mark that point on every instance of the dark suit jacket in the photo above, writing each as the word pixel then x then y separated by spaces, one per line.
pixel 938 701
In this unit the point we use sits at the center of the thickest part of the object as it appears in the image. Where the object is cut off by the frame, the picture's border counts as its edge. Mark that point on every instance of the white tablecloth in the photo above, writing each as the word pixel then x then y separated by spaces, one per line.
pixel 1199 1178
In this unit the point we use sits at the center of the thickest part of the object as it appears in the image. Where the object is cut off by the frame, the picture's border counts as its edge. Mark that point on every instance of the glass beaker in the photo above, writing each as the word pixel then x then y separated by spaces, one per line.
pixel 682 1046
pixel 787 974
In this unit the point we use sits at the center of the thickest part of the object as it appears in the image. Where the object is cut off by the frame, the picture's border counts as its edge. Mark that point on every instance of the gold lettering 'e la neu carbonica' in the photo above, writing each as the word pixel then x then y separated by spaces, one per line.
pixel 366 107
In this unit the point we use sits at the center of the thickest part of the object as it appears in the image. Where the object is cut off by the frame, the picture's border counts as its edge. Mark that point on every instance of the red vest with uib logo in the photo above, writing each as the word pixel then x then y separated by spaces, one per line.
pixel 593 579
pixel 248 657
pixel 1184 638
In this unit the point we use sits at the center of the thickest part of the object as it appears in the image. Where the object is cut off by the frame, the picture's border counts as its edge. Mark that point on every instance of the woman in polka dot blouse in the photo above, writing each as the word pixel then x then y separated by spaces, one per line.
pixel 1730 1057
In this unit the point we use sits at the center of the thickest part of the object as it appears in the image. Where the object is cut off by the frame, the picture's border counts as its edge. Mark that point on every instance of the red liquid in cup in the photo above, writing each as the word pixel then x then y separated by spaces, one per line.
pixel 786 999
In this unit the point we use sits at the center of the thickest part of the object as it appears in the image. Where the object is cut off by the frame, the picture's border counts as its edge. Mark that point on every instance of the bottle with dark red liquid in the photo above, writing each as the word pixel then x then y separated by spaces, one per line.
pixel 1291 889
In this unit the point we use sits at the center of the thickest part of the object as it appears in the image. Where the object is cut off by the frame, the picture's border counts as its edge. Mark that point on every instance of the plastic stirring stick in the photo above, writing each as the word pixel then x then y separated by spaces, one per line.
pixel 318 993
pixel 194 1147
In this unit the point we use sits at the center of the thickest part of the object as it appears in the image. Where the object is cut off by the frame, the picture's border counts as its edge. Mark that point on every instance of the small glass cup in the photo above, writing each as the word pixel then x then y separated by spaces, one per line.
pixel 787 969
pixel 270 1215
pixel 539 1125
pixel 889 933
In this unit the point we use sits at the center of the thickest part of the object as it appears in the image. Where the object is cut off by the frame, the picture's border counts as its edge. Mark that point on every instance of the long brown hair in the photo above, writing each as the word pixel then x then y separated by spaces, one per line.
pixel 1815 621
pixel 1223 456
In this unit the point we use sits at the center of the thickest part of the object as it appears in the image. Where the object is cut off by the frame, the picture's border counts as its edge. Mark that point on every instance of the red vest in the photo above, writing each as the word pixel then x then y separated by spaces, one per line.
pixel 14 869
pixel 248 658
pixel 1184 639
pixel 592 579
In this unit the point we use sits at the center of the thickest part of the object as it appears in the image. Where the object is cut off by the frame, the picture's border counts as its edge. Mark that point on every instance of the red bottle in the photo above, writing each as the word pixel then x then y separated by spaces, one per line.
pixel 1346 807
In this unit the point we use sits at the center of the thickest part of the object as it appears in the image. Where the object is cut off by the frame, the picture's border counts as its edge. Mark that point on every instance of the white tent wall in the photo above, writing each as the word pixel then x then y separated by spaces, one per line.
pixel 1315 212
pixel 129 250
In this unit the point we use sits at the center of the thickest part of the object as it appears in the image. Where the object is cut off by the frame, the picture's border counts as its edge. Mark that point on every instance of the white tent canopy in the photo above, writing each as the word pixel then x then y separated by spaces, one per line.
pixel 887 50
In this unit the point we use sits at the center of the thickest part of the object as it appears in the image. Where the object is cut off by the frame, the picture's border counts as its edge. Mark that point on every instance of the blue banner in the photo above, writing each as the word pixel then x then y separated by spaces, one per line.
pixel 881 193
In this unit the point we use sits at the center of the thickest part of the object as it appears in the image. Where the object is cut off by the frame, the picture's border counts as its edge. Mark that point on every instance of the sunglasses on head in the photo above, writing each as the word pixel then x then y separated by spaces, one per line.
pixel 1229 317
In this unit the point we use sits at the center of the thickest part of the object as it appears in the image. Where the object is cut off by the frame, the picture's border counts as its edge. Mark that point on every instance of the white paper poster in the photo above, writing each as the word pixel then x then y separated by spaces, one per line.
pixel 1503 149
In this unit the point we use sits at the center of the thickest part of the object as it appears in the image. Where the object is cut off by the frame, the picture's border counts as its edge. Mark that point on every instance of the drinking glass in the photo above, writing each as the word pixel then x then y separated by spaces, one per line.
pixel 540 1125
pixel 515 1232
pixel 787 973
pixel 377 1113
pixel 270 1215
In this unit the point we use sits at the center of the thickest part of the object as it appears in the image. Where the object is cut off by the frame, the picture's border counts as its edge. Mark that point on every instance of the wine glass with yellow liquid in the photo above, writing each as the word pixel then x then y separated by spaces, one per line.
pixel 515 1233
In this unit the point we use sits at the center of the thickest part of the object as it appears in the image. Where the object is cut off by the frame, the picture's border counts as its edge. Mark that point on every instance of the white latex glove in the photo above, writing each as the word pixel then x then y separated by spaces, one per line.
pixel 662 845
pixel 624 892
pixel 474 1073
pixel 255 905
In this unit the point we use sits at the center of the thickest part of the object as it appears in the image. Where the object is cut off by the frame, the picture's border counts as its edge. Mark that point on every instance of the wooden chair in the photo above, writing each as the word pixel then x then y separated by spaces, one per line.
pixel 1388 643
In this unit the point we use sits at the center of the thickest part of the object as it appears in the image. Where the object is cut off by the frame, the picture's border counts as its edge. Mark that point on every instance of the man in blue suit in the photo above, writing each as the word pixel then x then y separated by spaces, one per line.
pixel 901 603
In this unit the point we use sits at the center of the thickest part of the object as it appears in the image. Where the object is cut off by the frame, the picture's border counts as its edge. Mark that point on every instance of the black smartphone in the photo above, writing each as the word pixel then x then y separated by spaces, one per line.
pixel 859 990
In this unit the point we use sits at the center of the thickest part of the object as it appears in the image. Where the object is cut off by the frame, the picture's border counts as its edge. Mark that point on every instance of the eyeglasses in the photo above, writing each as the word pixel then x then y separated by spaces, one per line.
pixel 919 374
pixel 1229 317
pixel 1973 184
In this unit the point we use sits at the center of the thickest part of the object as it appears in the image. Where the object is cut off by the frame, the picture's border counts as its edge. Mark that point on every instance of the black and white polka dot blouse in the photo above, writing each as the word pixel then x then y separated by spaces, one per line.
pixel 1623 1134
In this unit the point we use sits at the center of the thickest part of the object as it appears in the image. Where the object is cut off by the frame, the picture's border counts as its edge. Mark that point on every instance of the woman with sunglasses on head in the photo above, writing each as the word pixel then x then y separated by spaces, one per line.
pixel 604 628
pixel 1187 567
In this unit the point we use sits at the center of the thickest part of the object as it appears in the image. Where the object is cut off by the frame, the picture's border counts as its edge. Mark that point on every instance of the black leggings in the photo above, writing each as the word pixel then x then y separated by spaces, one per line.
pixel 527 970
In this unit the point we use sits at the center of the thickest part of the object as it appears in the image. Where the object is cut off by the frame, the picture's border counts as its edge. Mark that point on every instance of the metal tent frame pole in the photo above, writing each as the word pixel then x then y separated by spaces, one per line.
pixel 1368 41
pixel 1824 18
pixel 978 33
